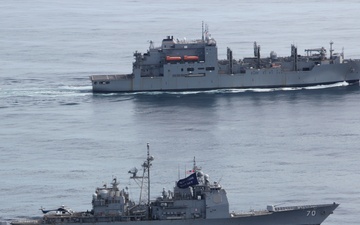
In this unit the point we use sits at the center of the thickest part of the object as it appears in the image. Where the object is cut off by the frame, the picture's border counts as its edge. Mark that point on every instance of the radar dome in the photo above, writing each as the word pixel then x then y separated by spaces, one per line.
pixel 206 176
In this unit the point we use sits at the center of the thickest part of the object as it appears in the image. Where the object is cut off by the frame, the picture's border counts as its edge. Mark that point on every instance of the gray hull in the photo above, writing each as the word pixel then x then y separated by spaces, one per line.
pixel 265 78
pixel 299 215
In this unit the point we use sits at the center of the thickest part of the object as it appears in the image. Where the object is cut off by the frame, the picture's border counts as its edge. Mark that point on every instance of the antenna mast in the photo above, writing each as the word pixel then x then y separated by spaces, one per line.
pixel 202 31
pixel 331 49
pixel 140 179
pixel 149 159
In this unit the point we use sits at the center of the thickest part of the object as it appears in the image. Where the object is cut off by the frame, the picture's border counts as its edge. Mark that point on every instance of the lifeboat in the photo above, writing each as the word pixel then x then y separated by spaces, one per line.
pixel 275 65
pixel 173 58
pixel 191 58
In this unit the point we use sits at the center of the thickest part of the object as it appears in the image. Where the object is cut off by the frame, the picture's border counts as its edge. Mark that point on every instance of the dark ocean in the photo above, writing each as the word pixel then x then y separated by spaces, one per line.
pixel 59 141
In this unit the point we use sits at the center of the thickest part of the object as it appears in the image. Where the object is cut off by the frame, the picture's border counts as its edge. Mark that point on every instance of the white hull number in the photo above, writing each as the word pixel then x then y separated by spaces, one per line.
pixel 311 213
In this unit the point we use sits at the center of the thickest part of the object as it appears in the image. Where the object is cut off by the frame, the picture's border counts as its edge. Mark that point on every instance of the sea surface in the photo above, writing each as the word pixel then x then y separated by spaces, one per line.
pixel 59 141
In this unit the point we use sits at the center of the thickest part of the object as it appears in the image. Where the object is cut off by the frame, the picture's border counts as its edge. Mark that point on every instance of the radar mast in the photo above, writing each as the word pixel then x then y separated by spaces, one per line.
pixel 141 180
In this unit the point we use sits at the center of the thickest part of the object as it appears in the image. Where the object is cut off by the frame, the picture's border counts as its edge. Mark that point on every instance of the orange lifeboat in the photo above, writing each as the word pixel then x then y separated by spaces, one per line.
pixel 275 65
pixel 173 58
pixel 191 58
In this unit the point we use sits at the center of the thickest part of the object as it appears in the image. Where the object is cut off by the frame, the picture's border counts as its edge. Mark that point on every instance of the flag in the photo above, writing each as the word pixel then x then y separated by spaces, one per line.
pixel 188 181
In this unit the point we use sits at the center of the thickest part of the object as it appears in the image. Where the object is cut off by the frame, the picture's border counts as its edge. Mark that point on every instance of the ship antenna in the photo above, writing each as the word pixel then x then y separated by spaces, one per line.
pixel 149 159
pixel 140 179
pixel 195 168
pixel 331 49
pixel 202 31
pixel 151 44
pixel 220 179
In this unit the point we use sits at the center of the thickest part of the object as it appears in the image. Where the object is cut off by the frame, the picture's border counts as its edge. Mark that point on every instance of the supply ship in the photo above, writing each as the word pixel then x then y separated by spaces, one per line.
pixel 181 65
pixel 194 200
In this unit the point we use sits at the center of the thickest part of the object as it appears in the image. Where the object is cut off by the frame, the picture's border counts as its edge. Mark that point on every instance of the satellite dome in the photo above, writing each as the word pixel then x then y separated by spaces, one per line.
pixel 206 176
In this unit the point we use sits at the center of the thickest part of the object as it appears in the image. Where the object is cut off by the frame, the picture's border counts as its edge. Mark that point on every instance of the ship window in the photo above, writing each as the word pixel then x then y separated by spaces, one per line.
pixel 210 68
pixel 190 69
pixel 182 69
pixel 95 82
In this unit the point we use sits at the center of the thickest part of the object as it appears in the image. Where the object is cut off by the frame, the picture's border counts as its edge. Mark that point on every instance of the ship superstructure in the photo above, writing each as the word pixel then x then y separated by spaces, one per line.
pixel 179 65
pixel 194 200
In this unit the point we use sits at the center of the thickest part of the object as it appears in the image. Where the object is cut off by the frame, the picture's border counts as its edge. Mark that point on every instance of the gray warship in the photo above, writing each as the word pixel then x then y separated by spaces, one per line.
pixel 193 201
pixel 180 65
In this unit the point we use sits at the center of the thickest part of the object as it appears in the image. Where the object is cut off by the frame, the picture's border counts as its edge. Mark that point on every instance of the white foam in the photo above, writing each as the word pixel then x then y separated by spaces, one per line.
pixel 339 84
pixel 223 91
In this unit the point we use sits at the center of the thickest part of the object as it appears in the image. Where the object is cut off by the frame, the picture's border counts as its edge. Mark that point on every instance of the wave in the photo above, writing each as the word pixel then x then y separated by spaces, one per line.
pixel 339 84
pixel 233 90
pixel 48 92
pixel 86 90
pixel 66 95
pixel 316 87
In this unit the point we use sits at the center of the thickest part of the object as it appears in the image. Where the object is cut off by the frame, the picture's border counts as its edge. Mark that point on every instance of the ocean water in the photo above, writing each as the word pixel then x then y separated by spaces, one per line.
pixel 59 141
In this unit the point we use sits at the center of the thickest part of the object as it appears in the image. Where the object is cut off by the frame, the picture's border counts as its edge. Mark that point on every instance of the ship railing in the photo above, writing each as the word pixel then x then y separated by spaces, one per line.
pixel 25 222
pixel 286 208
pixel 188 41
pixel 111 77
pixel 251 213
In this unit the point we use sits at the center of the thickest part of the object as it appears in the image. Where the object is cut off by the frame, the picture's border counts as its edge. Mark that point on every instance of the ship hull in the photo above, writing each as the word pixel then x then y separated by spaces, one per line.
pixel 298 215
pixel 252 78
